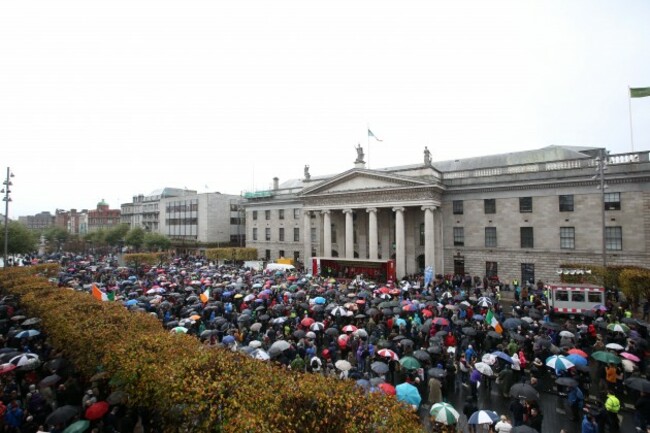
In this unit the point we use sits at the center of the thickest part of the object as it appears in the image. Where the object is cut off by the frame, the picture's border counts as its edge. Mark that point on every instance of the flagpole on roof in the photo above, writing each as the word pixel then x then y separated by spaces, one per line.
pixel 629 103
pixel 368 143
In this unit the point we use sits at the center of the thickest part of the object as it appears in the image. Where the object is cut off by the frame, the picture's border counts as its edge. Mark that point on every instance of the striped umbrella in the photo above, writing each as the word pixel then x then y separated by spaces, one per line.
pixel 483 417
pixel 559 363
pixel 387 353
pixel 444 413
pixel 484 302
pixel 618 327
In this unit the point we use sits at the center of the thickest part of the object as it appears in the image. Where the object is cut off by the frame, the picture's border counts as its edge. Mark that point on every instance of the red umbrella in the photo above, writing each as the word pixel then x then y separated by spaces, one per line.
pixel 440 321
pixel 349 328
pixel 97 410
pixel 427 313
pixel 578 352
pixel 6 368
pixel 343 341
pixel 307 322
pixel 387 388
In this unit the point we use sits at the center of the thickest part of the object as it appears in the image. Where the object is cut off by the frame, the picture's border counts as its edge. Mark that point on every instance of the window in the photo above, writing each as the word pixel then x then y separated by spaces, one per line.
pixel 567 238
pixel 566 203
pixel 281 214
pixel 281 253
pixel 595 297
pixel 490 205
pixel 490 237
pixel 614 238
pixel 458 207
pixel 526 237
pixel 528 273
pixel 296 234
pixel 254 233
pixel 281 234
pixel 254 215
pixel 491 269
pixel 525 204
pixel 267 255
pixel 267 234
pixel 296 256
pixel 561 295
pixel 267 215
pixel 612 201
pixel 422 234
pixel 333 233
pixel 296 213
pixel 459 236
pixel 577 297
pixel 312 234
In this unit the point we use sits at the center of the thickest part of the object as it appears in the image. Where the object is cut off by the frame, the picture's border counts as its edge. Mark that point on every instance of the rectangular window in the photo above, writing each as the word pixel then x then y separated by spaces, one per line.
pixel 267 234
pixel 422 234
pixel 254 215
pixel 561 295
pixel 312 234
pixel 459 236
pixel 491 269
pixel 490 237
pixel 595 297
pixel 267 215
pixel 281 253
pixel 567 238
pixel 612 201
pixel 566 203
pixel 281 234
pixel 458 207
pixel 254 233
pixel 528 273
pixel 296 234
pixel 296 213
pixel 296 256
pixel 267 255
pixel 525 204
pixel 281 214
pixel 577 296
pixel 526 237
pixel 614 238
pixel 333 233
pixel 490 205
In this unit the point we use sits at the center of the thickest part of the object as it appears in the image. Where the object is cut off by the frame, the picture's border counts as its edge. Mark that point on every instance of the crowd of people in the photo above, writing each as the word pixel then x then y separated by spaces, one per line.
pixel 429 345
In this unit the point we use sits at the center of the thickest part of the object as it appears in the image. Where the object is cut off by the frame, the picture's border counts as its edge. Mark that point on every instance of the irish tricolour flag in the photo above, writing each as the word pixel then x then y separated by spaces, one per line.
pixel 493 322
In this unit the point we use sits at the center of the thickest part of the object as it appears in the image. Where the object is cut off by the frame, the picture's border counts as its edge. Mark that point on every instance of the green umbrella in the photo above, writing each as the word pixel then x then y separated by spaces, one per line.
pixel 606 357
pixel 444 413
pixel 618 327
pixel 77 426
pixel 409 363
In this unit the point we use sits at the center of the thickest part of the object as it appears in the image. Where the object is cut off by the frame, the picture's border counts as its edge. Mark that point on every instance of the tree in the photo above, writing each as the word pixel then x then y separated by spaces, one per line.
pixel 634 284
pixel 21 239
pixel 56 237
pixel 115 235
pixel 156 242
pixel 96 239
pixel 135 238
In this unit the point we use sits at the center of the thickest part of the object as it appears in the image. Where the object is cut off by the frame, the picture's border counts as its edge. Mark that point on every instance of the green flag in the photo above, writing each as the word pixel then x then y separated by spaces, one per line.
pixel 639 92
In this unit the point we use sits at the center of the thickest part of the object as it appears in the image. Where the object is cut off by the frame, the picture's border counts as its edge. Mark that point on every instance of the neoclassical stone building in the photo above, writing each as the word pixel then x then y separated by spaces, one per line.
pixel 517 215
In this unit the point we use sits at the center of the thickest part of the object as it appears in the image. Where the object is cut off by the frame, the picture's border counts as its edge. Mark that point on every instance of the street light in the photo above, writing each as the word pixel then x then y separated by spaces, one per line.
pixel 7 183
pixel 601 166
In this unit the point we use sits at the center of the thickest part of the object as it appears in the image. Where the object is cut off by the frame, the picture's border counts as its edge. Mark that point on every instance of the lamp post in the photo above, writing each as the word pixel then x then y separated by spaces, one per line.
pixel 601 166
pixel 7 183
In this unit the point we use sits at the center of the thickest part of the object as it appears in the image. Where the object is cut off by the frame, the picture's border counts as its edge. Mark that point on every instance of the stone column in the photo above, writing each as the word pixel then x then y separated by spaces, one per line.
pixel 429 238
pixel 349 234
pixel 372 233
pixel 327 233
pixel 306 234
pixel 400 243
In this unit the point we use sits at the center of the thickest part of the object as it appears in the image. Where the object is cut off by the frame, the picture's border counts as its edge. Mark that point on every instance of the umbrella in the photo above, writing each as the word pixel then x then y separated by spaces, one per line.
pixel 614 346
pixel 566 334
pixel 552 325
pixel 255 344
pixel 332 332
pixel 97 410
pixel 437 372
pixel 628 365
pixel 62 414
pixel 31 321
pixel 49 380
pixel 578 352
pixel 409 363
pixel 77 426
pixel 525 391
pixel 6 368
pixel 483 368
pixel 422 355
pixel 379 367
pixel 408 393
pixel 387 388
pixel 26 361
pixel 307 322
pixel 523 429
pixel 260 355
pixel 566 381
pixel 606 357
pixel 255 327
pixel 494 334
pixel 489 359
pixel 349 328
pixel 484 302
pixel 512 323
pixel 179 330
pixel 559 363
pixel 503 355
pixel 444 413
pixel 630 356
pixel 317 326
pixel 638 384
pixel 387 353
pixel 117 397
pixel 339 311
pixel 28 333
pixel 469 331
pixel 483 417
pixel 577 359
pixel 618 327
pixel 440 321
pixel 343 365
pixel 278 347
pixel 299 333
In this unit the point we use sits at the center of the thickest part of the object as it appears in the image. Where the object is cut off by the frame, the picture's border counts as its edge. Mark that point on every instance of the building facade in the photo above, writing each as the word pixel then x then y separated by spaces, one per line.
pixel 39 221
pixel 144 211
pixel 103 217
pixel 75 222
pixel 517 216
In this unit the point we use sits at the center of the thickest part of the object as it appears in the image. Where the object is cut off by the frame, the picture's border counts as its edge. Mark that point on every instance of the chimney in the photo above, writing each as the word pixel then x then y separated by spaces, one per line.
pixel 276 184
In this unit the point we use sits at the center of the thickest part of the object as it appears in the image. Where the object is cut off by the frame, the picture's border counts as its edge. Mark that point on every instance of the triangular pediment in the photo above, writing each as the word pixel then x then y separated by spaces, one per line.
pixel 357 180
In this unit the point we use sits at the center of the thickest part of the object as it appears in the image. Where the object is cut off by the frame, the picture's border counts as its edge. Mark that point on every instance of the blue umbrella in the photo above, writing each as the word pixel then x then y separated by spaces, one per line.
pixel 131 302
pixel 320 300
pixel 409 394
pixel 228 339
pixel 577 359
pixel 478 317
pixel 28 333
pixel 483 417
pixel 503 356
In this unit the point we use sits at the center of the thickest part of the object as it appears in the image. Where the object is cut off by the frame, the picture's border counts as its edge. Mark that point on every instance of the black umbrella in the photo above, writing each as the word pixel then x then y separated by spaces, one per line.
pixel 566 381
pixel 379 367
pixel 552 325
pixel 62 414
pixel 299 334
pixel 332 332
pixel 495 334
pixel 117 397
pixel 523 429
pixel 438 373
pixel 638 383
pixel 525 391
pixel 422 355
pixel 49 380
pixel 469 331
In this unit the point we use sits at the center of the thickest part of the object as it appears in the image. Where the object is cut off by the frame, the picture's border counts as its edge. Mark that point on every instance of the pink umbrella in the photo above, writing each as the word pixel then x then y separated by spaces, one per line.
pixel 630 356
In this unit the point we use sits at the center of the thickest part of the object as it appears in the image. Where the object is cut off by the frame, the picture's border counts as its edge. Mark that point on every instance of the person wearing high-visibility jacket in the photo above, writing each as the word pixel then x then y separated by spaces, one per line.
pixel 612 406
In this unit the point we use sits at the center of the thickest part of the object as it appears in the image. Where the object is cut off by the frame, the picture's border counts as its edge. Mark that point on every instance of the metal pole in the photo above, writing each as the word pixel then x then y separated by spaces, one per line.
pixel 6 200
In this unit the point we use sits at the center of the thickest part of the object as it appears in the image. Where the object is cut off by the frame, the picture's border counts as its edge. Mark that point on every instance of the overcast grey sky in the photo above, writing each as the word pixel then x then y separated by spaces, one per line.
pixel 117 98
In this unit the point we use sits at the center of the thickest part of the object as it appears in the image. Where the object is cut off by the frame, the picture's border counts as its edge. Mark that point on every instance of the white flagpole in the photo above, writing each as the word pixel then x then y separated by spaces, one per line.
pixel 629 102
pixel 368 143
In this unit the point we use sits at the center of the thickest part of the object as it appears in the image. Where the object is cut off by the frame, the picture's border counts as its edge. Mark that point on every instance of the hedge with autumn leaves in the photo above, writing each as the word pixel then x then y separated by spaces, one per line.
pixel 193 387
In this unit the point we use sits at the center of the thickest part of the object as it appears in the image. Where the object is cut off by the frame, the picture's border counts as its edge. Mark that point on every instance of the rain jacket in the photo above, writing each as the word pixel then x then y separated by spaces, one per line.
pixel 612 404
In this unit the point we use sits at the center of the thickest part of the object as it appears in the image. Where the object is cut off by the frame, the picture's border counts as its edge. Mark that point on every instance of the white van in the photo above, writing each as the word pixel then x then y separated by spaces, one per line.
pixel 279 267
